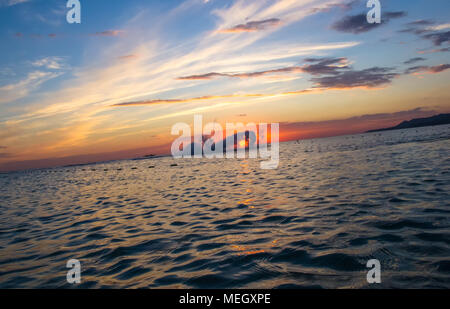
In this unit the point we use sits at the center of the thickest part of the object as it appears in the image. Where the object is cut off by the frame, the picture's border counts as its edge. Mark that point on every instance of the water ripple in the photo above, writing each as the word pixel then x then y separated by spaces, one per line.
pixel 332 205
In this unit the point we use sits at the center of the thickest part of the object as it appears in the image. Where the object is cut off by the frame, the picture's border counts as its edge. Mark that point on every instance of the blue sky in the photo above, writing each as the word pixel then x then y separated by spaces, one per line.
pixel 131 69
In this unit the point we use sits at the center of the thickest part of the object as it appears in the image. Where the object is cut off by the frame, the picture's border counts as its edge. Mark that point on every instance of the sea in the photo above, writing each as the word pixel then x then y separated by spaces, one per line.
pixel 332 205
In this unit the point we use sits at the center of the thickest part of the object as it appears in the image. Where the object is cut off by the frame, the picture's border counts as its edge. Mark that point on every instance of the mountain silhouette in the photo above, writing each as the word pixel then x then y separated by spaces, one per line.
pixel 419 122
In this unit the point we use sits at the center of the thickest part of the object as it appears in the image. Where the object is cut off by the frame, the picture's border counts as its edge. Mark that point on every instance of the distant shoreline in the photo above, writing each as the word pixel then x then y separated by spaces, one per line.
pixel 440 119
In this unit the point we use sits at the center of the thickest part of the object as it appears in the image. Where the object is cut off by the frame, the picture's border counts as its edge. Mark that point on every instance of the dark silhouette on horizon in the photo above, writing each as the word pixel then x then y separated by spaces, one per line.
pixel 436 120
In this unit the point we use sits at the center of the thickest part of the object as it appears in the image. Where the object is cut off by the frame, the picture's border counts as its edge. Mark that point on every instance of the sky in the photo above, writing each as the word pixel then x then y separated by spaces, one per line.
pixel 112 86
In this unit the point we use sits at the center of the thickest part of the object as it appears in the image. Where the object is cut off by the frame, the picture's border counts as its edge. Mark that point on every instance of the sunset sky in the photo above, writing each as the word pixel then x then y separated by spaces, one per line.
pixel 113 86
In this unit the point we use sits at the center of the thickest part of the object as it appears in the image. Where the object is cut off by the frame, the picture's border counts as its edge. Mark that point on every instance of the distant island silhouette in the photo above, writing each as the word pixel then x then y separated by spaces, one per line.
pixel 419 122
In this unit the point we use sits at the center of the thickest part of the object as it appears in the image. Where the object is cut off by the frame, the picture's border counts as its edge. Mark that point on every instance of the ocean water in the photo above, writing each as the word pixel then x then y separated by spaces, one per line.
pixel 332 205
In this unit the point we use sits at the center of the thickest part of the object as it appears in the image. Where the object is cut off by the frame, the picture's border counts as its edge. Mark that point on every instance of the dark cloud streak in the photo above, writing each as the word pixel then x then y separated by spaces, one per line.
pixel 438 38
pixel 319 66
pixel 414 60
pixel 325 65
pixel 368 78
pixel 424 29
pixel 428 69
pixel 358 23
pixel 253 26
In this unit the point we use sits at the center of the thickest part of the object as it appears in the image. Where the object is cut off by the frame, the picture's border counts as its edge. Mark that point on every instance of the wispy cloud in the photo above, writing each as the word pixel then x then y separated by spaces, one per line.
pixel 329 6
pixel 51 63
pixel 438 27
pixel 126 80
pixel 12 2
pixel 22 88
